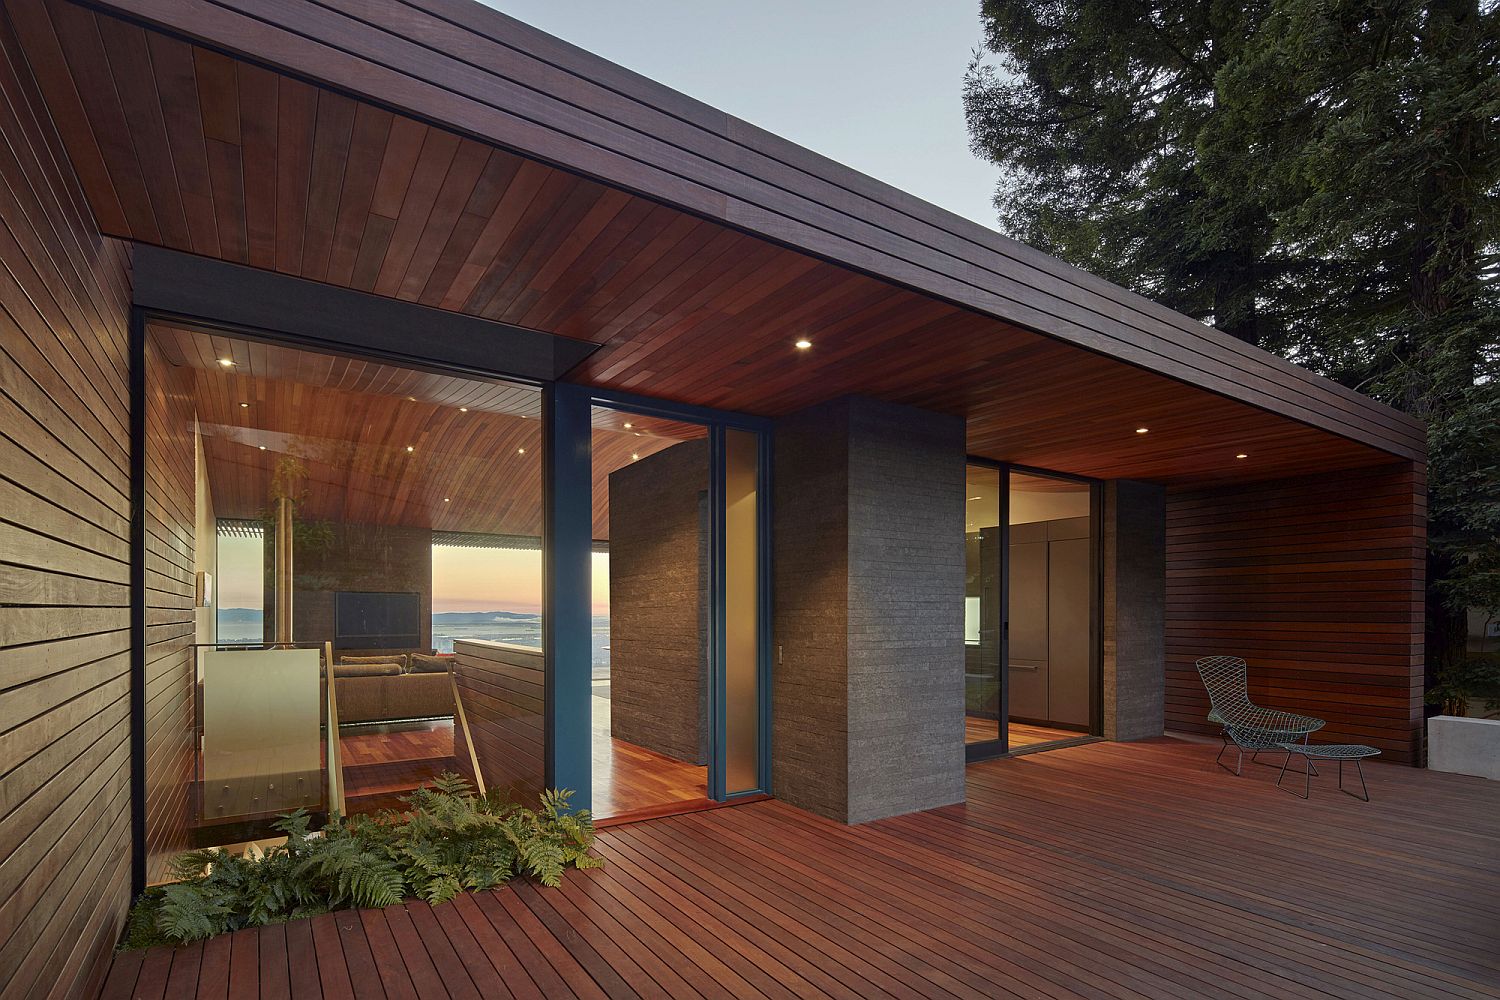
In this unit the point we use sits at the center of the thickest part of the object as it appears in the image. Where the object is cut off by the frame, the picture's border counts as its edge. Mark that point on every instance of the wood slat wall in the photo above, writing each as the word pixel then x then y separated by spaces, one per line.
pixel 504 694
pixel 64 561
pixel 170 620
pixel 1318 582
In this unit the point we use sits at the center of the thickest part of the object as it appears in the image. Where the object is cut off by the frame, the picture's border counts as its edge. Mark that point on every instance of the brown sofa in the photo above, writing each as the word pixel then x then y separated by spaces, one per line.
pixel 386 690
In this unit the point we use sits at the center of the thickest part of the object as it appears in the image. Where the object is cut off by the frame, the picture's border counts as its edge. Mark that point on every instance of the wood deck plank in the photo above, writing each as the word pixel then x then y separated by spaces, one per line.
pixel 1101 871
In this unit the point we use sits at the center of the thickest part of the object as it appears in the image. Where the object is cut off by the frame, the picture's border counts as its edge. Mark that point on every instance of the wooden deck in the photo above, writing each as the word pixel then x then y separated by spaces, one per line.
pixel 1098 871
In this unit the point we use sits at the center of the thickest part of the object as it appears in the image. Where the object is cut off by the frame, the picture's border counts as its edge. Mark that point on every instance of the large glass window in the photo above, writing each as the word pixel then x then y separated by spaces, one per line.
pixel 373 522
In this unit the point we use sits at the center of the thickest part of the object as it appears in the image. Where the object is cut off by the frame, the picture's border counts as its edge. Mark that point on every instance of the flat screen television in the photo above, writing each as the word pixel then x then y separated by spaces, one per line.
pixel 364 620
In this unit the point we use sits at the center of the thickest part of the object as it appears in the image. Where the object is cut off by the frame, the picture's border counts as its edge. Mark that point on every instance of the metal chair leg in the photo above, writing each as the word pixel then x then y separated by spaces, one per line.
pixel 1306 780
pixel 1238 762
pixel 1306 740
pixel 1364 795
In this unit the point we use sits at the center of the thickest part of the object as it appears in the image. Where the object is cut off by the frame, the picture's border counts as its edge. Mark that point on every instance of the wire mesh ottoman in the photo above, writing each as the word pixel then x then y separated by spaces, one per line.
pixel 1338 752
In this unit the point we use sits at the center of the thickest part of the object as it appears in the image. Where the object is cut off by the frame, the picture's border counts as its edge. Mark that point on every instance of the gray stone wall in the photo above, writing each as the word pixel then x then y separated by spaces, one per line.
pixel 658 586
pixel 378 558
pixel 810 669
pixel 869 581
pixel 1135 594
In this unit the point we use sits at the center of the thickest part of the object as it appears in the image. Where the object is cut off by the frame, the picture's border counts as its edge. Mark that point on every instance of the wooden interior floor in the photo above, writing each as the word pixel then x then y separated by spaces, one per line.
pixel 384 762
pixel 1106 870
pixel 977 730
pixel 629 778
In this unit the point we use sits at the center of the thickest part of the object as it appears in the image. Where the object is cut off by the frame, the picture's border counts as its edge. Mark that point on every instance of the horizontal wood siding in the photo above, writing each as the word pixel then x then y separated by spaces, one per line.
pixel 170 618
pixel 503 688
pixel 1318 583
pixel 64 561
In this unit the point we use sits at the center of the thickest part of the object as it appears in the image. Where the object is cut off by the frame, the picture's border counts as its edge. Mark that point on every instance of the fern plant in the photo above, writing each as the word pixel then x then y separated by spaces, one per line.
pixel 447 841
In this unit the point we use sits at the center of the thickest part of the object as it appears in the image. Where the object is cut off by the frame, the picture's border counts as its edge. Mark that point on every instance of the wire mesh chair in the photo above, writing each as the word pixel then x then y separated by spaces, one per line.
pixel 1247 726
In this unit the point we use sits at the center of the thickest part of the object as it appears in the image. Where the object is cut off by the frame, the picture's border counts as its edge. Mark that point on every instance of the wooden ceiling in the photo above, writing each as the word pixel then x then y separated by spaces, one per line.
pixel 184 147
pixel 474 463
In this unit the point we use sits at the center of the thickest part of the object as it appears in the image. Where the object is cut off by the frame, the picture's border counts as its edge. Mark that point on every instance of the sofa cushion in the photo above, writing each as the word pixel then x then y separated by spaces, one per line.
pixel 421 663
pixel 383 668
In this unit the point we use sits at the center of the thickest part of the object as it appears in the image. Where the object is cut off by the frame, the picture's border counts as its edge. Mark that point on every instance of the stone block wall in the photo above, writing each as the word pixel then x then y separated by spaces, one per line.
pixel 869 566
pixel 658 602
pixel 1135 596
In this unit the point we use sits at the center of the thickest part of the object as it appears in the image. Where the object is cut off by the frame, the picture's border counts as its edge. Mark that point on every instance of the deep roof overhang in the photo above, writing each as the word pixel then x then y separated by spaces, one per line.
pixel 755 240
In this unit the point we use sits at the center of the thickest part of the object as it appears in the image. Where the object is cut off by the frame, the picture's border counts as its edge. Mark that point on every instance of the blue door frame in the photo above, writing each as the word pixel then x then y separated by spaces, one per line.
pixel 568 568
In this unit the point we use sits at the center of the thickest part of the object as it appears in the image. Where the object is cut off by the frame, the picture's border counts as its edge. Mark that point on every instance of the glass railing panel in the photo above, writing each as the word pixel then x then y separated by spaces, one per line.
pixel 263 732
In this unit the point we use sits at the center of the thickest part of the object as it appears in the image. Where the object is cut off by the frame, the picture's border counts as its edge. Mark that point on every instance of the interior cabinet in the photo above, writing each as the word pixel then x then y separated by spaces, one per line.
pixel 1050 621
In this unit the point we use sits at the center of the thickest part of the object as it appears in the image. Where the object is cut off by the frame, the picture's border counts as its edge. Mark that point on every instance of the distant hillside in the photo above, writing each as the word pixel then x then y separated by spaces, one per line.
pixel 241 616
pixel 482 617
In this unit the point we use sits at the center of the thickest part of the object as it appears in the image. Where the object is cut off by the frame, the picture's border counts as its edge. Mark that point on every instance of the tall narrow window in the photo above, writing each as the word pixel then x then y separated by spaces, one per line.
pixel 741 611
pixel 983 627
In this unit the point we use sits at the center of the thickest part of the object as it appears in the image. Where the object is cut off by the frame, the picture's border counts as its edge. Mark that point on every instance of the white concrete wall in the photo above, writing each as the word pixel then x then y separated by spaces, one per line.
pixel 1464 746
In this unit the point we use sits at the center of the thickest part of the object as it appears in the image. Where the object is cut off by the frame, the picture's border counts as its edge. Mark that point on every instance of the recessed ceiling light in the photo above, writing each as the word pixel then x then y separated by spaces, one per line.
pixel 410 448
pixel 976 498
pixel 226 362
pixel 411 399
pixel 1142 430
pixel 802 344
pixel 244 406
pixel 520 451
pixel 262 447
pixel 463 409
pixel 634 457
pixel 1242 455
pixel 446 500
pixel 628 425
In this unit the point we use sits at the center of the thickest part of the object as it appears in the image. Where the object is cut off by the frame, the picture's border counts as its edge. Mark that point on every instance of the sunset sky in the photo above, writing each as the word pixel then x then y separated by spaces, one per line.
pixel 462 579
pixel 499 580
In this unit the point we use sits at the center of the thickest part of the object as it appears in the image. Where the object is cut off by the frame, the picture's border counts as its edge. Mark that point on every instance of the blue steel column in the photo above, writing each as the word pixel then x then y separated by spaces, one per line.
pixel 567 623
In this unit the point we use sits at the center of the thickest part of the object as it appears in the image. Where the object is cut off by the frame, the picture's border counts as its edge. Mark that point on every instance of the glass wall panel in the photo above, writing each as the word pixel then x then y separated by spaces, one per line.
pixel 1052 584
pixel 741 610
pixel 652 594
pixel 363 519
pixel 982 619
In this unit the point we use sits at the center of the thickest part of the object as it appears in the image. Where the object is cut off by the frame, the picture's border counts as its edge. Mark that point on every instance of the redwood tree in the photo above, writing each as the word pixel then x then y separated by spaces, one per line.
pixel 1318 177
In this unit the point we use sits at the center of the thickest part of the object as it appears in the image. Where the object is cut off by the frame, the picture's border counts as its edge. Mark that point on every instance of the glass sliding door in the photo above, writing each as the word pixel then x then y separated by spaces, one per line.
pixel 1051 587
pixel 652 589
pixel 678 576
pixel 1031 599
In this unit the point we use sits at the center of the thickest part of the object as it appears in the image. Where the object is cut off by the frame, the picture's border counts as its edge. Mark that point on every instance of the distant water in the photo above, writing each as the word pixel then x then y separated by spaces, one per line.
pixel 241 627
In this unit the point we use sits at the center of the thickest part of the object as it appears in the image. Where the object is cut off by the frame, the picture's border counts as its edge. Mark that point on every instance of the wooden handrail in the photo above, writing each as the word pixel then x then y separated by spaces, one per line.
pixel 463 724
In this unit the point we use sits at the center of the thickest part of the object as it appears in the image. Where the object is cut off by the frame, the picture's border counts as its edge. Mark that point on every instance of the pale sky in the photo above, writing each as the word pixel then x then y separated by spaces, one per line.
pixel 876 85
pixel 240 572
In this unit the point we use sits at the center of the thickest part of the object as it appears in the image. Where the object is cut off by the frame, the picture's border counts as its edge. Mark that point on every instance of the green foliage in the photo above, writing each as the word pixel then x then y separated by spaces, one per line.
pixel 1475 678
pixel 448 841
pixel 1318 177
